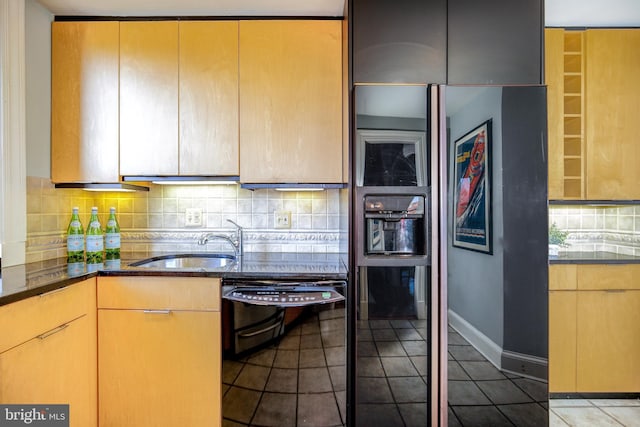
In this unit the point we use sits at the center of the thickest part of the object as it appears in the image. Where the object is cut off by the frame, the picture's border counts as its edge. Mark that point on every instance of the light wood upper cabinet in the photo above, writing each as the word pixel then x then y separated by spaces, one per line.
pixel 593 103
pixel 291 101
pixel 149 98
pixel 565 77
pixel 179 98
pixel 259 99
pixel 553 71
pixel 209 98
pixel 84 101
pixel 613 103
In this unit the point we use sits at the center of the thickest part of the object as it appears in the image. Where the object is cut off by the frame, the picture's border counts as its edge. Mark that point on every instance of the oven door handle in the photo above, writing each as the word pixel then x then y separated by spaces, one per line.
pixel 258 332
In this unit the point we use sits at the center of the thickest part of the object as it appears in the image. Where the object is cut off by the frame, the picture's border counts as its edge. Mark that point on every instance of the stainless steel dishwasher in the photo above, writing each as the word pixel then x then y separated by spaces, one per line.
pixel 284 352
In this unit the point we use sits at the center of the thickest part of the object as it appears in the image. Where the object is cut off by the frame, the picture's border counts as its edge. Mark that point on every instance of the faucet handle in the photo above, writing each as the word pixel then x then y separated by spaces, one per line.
pixel 234 223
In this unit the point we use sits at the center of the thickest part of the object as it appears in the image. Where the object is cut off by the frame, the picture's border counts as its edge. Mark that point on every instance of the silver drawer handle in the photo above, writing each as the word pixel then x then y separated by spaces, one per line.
pixel 157 311
pixel 53 331
pixel 261 331
pixel 55 291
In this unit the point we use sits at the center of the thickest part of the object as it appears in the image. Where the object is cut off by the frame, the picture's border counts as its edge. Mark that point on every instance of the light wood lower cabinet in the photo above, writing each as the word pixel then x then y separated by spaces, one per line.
pixel 608 344
pixel 58 364
pixel 562 341
pixel 594 328
pixel 159 351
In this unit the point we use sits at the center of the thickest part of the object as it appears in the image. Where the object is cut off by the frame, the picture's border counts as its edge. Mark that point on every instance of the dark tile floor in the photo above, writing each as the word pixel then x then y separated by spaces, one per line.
pixel 391 373
pixel 300 381
pixel 481 395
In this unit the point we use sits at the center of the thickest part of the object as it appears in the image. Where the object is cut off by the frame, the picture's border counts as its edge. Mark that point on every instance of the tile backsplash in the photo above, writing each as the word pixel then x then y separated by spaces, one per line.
pixel 155 220
pixel 599 228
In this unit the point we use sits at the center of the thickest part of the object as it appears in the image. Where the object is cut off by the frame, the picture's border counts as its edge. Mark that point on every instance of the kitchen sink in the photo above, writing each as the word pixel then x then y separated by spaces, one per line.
pixel 200 261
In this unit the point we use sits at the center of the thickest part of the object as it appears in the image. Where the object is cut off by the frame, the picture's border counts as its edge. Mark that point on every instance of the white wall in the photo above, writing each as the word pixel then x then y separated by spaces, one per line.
pixel 592 13
pixel 38 88
pixel 475 280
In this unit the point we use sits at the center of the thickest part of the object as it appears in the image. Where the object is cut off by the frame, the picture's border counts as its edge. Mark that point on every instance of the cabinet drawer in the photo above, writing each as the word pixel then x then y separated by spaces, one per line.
pixel 26 319
pixel 608 276
pixel 563 277
pixel 159 293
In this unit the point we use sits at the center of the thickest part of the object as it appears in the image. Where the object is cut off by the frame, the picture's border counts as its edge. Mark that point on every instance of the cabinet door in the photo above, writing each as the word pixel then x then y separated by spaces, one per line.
pixel 562 341
pixel 608 348
pixel 613 102
pixel 404 41
pixel 159 368
pixel 149 98
pixel 209 98
pixel 291 101
pixel 494 42
pixel 84 101
pixel 57 367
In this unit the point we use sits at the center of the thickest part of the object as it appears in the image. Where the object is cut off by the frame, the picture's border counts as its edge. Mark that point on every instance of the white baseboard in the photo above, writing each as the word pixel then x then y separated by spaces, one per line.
pixel 482 343
pixel 505 360
pixel 525 365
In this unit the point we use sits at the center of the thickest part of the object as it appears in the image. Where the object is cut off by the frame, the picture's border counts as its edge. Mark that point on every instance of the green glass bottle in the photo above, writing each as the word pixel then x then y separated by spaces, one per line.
pixel 75 239
pixel 95 242
pixel 112 237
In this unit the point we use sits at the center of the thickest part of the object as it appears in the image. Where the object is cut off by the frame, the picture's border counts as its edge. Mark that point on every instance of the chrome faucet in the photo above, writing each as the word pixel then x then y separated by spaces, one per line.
pixel 234 239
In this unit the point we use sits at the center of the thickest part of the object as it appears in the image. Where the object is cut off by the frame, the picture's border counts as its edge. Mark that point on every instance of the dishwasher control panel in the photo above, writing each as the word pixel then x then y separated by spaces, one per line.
pixel 284 296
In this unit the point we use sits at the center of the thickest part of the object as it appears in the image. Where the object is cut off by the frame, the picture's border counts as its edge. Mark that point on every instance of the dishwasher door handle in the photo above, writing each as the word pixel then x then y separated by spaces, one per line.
pixel 258 332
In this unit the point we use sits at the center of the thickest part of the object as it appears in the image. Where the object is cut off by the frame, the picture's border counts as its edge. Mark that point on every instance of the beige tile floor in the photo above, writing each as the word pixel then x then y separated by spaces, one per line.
pixel 594 413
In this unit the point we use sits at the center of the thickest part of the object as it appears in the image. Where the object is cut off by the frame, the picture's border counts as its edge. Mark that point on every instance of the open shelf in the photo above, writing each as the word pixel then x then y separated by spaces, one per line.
pixel 573 119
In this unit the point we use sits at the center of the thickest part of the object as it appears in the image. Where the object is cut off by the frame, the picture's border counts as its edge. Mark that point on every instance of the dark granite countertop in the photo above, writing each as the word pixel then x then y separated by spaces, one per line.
pixel 593 258
pixel 26 280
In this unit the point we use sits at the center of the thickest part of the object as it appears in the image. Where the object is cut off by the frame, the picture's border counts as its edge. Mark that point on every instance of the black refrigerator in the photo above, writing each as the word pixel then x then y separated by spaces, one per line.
pixel 448 196
pixel 394 143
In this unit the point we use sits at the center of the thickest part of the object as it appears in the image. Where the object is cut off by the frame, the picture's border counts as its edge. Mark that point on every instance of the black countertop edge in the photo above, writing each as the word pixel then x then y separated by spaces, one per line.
pixel 593 261
pixel 28 280
pixel 593 258
pixel 594 202
pixel 225 275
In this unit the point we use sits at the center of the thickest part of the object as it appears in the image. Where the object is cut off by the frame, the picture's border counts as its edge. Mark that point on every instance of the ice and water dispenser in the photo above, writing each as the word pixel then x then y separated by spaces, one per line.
pixel 394 224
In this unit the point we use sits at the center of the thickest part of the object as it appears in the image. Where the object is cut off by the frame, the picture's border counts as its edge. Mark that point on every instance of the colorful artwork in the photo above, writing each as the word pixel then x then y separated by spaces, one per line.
pixel 472 190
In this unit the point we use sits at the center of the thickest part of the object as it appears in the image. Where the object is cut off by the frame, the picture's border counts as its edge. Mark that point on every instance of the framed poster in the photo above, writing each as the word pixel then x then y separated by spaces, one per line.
pixel 472 190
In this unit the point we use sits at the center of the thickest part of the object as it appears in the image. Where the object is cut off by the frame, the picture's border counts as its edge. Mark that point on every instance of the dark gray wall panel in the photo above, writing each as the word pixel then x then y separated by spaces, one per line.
pixel 399 41
pixel 524 163
pixel 495 41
